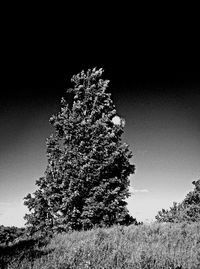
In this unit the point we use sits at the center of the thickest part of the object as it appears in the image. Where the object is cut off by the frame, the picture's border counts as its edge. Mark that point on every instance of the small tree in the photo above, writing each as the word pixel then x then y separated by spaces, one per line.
pixel 187 211
pixel 87 177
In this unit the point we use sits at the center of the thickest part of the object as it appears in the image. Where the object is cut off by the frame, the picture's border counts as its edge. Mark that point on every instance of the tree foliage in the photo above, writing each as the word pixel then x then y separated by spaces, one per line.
pixel 186 211
pixel 87 177
pixel 10 234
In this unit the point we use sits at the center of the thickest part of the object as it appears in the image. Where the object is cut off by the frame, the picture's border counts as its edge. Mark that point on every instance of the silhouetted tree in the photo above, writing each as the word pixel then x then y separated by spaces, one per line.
pixel 87 177
pixel 186 211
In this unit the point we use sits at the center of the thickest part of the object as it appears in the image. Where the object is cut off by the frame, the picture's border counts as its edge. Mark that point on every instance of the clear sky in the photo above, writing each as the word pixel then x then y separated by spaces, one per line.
pixel 155 84
pixel 162 128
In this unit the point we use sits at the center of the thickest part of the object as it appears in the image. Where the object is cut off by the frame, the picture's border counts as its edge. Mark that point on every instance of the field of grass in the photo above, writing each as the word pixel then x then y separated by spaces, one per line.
pixel 144 246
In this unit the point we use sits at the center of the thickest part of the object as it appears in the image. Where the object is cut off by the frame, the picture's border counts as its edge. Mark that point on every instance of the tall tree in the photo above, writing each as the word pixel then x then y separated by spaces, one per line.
pixel 87 177
pixel 186 211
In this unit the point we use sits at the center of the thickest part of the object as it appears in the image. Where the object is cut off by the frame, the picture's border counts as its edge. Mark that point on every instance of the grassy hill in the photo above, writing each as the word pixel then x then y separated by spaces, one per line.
pixel 144 246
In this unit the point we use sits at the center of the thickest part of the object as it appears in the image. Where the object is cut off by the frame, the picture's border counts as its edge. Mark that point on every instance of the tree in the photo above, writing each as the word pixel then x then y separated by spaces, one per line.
pixel 87 177
pixel 186 211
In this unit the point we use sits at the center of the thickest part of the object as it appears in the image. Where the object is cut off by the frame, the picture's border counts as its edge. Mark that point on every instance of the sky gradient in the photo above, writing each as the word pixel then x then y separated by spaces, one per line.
pixel 162 113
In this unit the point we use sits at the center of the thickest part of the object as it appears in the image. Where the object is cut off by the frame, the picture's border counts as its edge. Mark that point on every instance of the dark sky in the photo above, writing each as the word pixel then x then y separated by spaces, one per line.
pixel 155 87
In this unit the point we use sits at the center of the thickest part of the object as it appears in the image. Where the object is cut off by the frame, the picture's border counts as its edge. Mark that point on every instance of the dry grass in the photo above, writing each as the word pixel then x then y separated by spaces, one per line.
pixel 146 246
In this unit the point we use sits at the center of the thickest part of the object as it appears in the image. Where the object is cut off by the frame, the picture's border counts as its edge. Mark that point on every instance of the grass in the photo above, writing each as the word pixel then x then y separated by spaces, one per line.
pixel 145 246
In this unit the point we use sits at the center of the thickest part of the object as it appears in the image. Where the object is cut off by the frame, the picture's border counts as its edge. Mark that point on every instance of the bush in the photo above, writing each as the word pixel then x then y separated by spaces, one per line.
pixel 9 234
pixel 187 211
